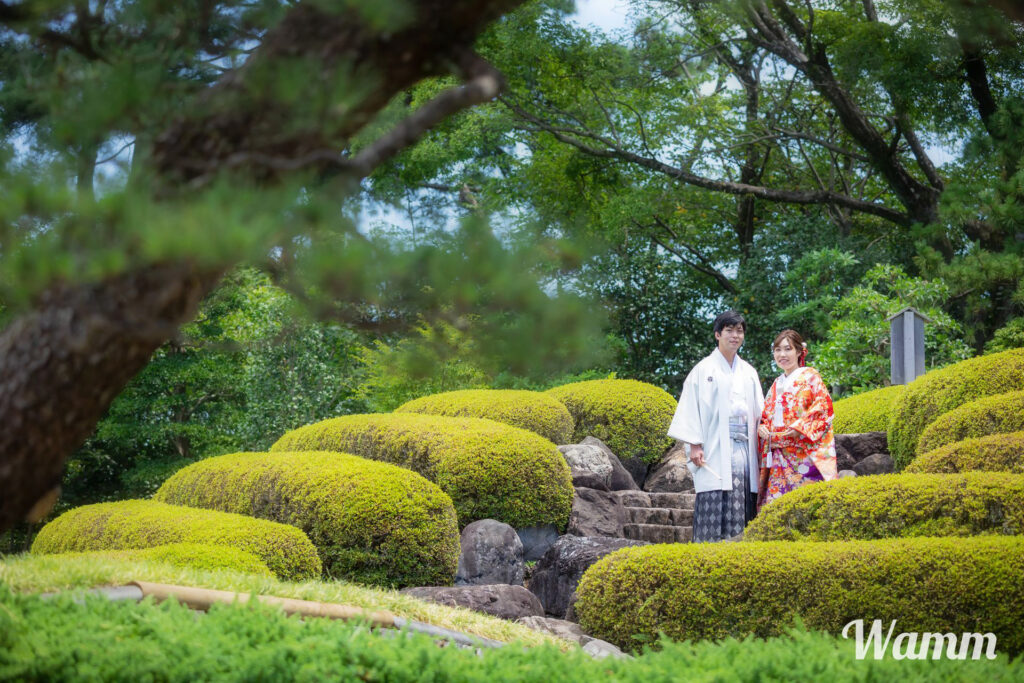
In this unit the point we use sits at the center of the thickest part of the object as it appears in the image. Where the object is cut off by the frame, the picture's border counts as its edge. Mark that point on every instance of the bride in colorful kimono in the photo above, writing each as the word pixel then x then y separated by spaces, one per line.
pixel 797 444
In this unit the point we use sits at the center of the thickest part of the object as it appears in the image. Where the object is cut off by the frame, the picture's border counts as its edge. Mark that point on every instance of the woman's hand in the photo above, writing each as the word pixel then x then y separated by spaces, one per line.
pixel 763 432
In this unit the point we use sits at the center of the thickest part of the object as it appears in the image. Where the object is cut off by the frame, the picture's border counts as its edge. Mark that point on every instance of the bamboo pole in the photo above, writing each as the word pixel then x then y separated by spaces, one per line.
pixel 203 598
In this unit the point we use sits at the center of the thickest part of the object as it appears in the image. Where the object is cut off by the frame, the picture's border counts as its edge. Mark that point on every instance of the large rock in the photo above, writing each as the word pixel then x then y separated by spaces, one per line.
pixel 536 540
pixel 588 458
pixel 621 479
pixel 878 463
pixel 559 628
pixel 499 600
pixel 596 513
pixel 852 448
pixel 588 480
pixel 638 470
pixel 491 553
pixel 671 474
pixel 558 573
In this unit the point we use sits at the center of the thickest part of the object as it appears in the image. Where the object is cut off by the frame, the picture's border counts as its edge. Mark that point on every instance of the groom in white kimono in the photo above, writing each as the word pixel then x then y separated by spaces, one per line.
pixel 717 418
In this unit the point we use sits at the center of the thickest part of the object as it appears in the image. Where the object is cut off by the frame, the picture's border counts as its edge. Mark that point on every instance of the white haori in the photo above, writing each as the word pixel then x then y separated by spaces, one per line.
pixel 709 397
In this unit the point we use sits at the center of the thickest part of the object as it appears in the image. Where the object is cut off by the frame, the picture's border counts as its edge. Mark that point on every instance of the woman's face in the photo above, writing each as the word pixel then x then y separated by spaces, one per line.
pixel 786 356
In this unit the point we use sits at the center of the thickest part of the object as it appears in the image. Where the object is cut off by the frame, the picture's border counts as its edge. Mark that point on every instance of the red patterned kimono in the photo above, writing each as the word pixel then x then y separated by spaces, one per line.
pixel 811 454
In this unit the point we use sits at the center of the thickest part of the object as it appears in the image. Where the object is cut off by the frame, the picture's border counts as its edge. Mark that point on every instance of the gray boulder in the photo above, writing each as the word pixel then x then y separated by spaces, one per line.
pixel 878 463
pixel 843 474
pixel 852 448
pixel 536 540
pixel 588 480
pixel 671 475
pixel 596 513
pixel 588 458
pixel 499 600
pixel 491 552
pixel 559 628
pixel 599 649
pixel 621 479
pixel 558 573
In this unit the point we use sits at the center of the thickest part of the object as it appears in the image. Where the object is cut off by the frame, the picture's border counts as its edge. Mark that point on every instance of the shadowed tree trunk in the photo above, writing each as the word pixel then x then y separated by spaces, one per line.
pixel 63 363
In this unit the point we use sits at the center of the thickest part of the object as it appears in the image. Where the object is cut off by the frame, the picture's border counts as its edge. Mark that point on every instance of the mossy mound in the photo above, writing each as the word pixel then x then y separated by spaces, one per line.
pixel 867 412
pixel 530 410
pixel 631 417
pixel 993 453
pixel 134 524
pixel 192 555
pixel 895 505
pixel 942 390
pixel 489 469
pixel 371 522
pixel 999 414
pixel 716 590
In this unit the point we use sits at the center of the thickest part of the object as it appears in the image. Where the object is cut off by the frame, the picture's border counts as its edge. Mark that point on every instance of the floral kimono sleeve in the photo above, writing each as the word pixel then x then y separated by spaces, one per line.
pixel 815 420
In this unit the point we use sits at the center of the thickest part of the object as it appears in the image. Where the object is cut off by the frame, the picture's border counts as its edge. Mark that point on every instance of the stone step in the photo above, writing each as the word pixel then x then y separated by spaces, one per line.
pixel 666 516
pixel 643 499
pixel 682 501
pixel 658 533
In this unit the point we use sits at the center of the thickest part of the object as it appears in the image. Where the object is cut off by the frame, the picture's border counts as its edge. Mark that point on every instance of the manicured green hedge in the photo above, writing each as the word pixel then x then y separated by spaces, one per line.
pixel 631 417
pixel 63 640
pixel 993 453
pixel 490 470
pixel 710 591
pixel 999 414
pixel 371 522
pixel 205 557
pixel 866 412
pixel 940 391
pixel 894 505
pixel 530 410
pixel 130 524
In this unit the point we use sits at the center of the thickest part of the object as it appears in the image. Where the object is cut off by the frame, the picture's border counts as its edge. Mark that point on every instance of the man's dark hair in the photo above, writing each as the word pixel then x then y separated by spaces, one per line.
pixel 729 318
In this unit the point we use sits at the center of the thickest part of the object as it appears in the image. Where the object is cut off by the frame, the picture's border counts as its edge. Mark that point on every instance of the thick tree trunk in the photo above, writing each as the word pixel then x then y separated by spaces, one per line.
pixel 63 363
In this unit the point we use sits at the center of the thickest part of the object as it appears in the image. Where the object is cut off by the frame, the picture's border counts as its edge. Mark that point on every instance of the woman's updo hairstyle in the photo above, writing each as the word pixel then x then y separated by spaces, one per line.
pixel 796 340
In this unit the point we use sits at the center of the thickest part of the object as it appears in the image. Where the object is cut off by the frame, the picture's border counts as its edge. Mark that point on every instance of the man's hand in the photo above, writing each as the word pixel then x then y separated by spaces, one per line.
pixel 697 455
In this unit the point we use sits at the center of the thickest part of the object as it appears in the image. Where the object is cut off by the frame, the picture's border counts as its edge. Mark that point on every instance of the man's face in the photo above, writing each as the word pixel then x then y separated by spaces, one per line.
pixel 730 338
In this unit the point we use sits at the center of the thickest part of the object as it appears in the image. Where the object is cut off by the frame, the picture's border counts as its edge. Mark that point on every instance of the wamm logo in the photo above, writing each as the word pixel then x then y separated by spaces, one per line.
pixel 933 645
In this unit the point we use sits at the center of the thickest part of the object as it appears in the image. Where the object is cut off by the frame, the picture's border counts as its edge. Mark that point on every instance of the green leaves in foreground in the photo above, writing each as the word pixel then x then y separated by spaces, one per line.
pixel 101 640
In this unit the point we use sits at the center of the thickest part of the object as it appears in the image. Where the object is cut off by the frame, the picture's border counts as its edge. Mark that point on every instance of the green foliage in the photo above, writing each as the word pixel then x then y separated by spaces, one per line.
pixel 203 557
pixel 528 410
pixel 144 479
pixel 895 505
pixel 720 590
pixel 631 417
pixel 1010 336
pixel 855 353
pixel 489 469
pixel 134 524
pixel 993 453
pixel 940 391
pixel 62 639
pixel 999 414
pixel 371 522
pixel 869 411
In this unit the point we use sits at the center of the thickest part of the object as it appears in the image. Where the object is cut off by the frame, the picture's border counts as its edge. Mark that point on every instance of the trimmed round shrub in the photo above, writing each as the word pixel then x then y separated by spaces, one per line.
pixel 631 417
pixel 715 590
pixel 371 522
pixel 942 390
pixel 993 453
pixel 192 555
pixel 866 412
pixel 490 470
pixel 895 505
pixel 133 524
pixel 999 414
pixel 530 410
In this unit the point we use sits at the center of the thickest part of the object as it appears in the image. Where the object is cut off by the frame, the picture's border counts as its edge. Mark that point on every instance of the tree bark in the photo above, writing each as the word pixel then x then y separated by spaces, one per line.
pixel 63 363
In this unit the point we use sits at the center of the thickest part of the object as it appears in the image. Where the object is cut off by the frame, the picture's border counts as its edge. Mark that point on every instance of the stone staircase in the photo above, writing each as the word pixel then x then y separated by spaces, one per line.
pixel 658 517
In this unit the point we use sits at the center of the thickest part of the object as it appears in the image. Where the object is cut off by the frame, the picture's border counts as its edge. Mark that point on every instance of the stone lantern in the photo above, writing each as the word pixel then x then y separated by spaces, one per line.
pixel 906 348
